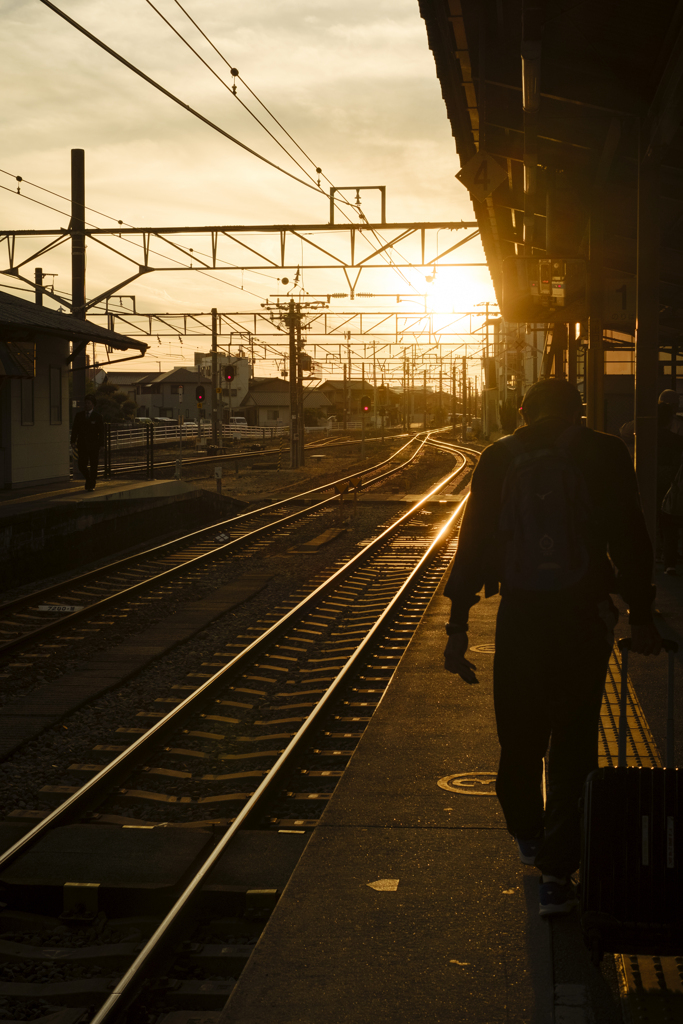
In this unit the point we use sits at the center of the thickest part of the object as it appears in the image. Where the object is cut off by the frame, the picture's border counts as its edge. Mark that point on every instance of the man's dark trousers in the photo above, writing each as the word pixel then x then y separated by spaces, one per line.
pixel 548 677
pixel 87 464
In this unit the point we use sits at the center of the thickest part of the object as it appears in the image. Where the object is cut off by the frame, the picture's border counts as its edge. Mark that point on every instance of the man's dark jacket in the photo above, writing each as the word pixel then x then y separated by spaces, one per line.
pixel 87 432
pixel 619 547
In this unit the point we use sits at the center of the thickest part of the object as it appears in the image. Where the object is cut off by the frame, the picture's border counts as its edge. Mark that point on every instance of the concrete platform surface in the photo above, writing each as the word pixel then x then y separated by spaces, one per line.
pixel 409 903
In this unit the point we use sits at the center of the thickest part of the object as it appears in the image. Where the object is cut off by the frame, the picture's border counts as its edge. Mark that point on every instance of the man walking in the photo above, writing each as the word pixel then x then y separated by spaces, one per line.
pixel 87 436
pixel 554 519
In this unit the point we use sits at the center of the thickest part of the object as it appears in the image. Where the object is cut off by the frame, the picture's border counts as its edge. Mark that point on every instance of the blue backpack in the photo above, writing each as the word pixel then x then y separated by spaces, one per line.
pixel 545 507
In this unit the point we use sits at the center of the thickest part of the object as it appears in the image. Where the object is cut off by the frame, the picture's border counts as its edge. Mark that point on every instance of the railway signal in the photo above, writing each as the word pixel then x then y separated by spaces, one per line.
pixel 229 372
pixel 365 403
pixel 200 393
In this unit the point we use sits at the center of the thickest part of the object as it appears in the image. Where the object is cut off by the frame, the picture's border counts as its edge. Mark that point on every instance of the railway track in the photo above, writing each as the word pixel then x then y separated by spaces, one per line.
pixel 256 452
pixel 37 616
pixel 240 759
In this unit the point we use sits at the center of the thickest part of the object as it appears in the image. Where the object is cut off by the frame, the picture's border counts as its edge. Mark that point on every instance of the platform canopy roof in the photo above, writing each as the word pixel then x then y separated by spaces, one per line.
pixel 26 321
pixel 608 80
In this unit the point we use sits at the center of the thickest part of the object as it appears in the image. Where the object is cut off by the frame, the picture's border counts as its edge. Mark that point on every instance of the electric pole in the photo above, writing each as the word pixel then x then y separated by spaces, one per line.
pixel 362 411
pixel 344 400
pixel 214 376
pixel 79 358
pixel 293 390
pixel 464 398
pixel 300 390
pixel 453 398
pixel 424 393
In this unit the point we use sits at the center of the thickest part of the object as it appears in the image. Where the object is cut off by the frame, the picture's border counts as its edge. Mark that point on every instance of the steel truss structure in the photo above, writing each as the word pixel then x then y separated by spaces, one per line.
pixel 350 248
pixel 335 339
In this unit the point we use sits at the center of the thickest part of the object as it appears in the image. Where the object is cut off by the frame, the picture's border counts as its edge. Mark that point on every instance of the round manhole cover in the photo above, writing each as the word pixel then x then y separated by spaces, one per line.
pixel 470 783
pixel 484 648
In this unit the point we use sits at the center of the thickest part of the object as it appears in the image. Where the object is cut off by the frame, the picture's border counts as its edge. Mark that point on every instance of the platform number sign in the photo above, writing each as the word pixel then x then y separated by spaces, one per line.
pixel 482 175
pixel 619 302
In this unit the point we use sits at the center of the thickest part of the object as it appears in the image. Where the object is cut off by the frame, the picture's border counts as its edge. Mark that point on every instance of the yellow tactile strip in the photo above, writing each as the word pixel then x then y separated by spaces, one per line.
pixel 651 987
pixel 641 749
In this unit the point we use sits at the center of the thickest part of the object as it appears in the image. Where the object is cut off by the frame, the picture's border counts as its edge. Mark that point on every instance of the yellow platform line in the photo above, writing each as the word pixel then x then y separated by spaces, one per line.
pixel 651 988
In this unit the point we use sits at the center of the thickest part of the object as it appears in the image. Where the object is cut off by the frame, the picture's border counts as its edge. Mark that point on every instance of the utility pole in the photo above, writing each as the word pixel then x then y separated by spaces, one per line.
pixel 453 398
pixel 464 398
pixel 214 376
pixel 300 390
pixel 38 277
pixel 440 395
pixel 79 358
pixel 362 411
pixel 424 393
pixel 384 406
pixel 374 383
pixel 405 393
pixel 344 400
pixel 293 390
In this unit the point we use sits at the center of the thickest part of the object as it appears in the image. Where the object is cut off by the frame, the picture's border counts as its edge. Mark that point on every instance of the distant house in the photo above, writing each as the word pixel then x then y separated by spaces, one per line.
pixel 267 403
pixel 334 390
pixel 34 388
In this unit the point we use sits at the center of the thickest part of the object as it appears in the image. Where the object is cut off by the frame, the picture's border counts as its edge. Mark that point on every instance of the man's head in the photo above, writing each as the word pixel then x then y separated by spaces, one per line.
pixel 89 403
pixel 669 397
pixel 552 397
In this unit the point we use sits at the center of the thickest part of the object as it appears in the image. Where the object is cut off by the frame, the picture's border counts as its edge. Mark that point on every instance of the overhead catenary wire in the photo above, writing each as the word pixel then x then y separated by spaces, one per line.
pixel 233 70
pixel 316 188
pixel 176 99
pixel 130 241
pixel 225 84
pixel 123 223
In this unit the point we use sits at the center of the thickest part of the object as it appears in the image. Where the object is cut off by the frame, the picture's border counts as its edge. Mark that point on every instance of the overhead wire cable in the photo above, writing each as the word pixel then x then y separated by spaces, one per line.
pixel 251 91
pixel 172 96
pixel 233 94
pixel 130 241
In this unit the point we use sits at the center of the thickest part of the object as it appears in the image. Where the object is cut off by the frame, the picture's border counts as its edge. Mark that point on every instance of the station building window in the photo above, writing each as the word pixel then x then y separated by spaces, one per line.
pixel 55 395
pixel 620 355
pixel 27 415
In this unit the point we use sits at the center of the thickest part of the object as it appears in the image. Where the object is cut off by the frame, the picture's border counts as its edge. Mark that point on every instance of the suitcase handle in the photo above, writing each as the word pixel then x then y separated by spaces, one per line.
pixel 671 647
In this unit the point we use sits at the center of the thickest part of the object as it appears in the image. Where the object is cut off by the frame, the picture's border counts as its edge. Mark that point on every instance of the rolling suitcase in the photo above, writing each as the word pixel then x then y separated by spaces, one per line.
pixel 631 893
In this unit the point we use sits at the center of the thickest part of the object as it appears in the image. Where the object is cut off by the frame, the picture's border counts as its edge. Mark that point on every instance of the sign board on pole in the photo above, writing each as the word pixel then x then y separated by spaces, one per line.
pixel 544 290
pixel 619 299
pixel 482 175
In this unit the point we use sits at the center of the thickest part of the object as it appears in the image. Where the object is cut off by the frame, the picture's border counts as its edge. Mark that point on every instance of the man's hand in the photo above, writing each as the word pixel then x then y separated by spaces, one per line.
pixel 455 660
pixel 645 639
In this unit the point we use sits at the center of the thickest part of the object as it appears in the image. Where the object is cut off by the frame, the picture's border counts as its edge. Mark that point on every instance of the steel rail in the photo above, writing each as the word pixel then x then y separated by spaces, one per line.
pixel 88 795
pixel 207 459
pixel 156 948
pixel 246 538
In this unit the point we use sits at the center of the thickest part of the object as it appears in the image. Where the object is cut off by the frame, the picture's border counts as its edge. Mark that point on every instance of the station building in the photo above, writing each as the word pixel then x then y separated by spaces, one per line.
pixel 35 406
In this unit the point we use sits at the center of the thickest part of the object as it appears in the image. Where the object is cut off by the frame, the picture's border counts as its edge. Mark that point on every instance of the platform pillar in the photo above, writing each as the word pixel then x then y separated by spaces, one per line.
pixel 647 337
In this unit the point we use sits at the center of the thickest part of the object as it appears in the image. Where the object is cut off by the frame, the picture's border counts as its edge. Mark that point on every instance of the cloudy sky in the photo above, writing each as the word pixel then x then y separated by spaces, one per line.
pixel 353 83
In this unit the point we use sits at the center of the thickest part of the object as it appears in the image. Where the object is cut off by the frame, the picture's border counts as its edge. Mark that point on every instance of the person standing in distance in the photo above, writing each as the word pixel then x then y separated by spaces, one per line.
pixel 554 522
pixel 87 436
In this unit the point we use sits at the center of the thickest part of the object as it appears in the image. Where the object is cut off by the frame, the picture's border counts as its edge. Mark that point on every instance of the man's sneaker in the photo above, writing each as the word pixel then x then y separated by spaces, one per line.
pixel 556 898
pixel 528 848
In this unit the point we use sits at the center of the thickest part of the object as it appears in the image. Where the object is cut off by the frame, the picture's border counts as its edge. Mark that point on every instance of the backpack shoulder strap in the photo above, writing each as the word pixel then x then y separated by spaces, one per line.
pixel 513 443
pixel 567 439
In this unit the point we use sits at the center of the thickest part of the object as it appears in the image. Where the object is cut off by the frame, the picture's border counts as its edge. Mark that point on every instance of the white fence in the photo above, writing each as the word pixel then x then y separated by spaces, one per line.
pixel 123 436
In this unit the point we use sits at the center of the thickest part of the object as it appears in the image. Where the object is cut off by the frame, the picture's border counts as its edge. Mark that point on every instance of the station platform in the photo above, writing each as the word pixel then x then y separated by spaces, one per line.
pixel 409 902
pixel 50 530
